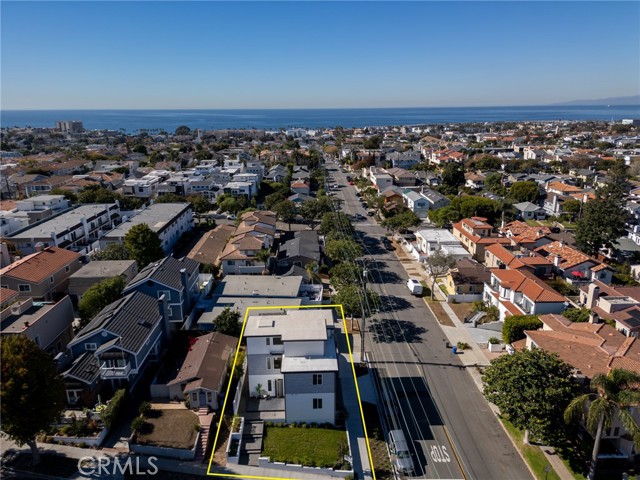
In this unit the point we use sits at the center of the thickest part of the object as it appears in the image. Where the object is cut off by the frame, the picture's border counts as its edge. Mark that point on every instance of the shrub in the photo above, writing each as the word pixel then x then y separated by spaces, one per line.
pixel 115 408
pixel 494 341
pixel 140 425
pixel 563 288
pixel 144 409
pixel 515 326
pixel 463 346
pixel 66 431
pixel 324 269
pixel 196 427
pixel 578 315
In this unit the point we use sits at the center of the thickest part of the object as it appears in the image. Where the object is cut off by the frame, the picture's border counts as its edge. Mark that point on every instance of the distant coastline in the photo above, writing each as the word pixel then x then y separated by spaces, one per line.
pixel 132 121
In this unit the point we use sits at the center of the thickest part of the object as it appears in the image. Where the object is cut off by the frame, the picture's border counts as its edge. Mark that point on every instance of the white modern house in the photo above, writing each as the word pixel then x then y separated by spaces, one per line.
pixel 293 355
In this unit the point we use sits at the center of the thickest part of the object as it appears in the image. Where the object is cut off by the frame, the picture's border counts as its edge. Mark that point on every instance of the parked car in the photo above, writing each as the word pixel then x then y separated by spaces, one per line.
pixel 399 447
pixel 414 285
pixel 357 216
pixel 231 217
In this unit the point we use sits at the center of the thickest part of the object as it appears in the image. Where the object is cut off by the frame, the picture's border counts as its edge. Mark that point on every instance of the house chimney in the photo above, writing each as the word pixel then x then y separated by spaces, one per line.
pixel 556 260
pixel 593 292
pixel 185 286
pixel 594 318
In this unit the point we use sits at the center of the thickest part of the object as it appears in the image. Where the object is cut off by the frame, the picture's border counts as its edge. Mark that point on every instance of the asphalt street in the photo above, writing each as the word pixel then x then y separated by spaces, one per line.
pixel 425 388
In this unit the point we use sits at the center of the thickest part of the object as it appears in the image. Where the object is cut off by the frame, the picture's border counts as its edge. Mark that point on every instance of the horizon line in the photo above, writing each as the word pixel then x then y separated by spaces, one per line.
pixel 562 104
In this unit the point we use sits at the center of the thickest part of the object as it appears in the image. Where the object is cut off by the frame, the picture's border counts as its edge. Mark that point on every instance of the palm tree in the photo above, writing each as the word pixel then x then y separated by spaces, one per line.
pixel 263 256
pixel 312 272
pixel 613 394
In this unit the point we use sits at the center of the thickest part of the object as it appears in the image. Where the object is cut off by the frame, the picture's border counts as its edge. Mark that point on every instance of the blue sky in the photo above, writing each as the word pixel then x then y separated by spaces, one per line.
pixel 78 55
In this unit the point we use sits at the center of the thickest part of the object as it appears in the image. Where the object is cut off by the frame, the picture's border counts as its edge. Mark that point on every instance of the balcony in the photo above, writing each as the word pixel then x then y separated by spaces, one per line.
pixel 110 372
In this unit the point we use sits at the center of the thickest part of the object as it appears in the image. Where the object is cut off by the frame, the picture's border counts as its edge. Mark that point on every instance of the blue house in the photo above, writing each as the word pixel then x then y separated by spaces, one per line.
pixel 116 346
pixel 176 279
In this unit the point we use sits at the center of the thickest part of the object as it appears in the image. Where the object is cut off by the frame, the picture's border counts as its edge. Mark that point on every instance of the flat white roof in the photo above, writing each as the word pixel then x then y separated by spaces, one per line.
pixel 296 325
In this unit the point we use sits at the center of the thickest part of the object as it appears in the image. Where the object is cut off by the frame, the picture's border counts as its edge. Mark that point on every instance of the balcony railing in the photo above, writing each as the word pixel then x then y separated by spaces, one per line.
pixel 115 372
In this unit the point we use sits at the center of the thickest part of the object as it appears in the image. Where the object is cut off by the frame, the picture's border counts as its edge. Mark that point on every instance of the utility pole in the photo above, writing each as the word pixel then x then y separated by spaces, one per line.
pixel 364 321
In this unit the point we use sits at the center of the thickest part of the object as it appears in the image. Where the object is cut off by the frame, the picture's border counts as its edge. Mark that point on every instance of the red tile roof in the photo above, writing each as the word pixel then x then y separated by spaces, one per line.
pixel 39 266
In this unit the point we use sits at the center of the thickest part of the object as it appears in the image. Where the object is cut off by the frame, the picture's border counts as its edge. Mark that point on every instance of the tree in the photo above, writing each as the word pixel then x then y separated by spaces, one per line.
pixel 144 244
pixel 472 206
pixel 312 272
pixel 231 205
pixel 493 183
pixel 96 194
pixel 488 162
pixel 286 211
pixel 344 274
pixel 444 216
pixel 31 391
pixel 436 265
pixel 372 143
pixel 67 194
pixel 114 251
pixel 183 130
pixel 515 325
pixel 603 218
pixel 531 388
pixel 199 203
pixel 613 395
pixel 170 198
pixel 336 222
pixel 228 322
pixel 343 250
pixel 352 300
pixel 401 222
pixel 452 178
pixel 263 255
pixel 524 192
pixel 572 208
pixel 99 296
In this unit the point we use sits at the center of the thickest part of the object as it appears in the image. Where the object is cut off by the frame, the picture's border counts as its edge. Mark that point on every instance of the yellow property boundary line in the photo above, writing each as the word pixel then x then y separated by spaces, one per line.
pixel 226 397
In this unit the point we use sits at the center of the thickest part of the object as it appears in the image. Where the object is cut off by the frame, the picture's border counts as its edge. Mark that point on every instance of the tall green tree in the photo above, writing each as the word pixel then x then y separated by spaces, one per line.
pixel 183 130
pixel 603 218
pixel 524 192
pixel 452 178
pixel 401 222
pixel 228 322
pixel 31 391
pixel 531 388
pixel 472 206
pixel 286 211
pixel 343 274
pixel 613 396
pixel 99 296
pixel 336 222
pixel 352 299
pixel 144 244
pixel 493 183
pixel 343 250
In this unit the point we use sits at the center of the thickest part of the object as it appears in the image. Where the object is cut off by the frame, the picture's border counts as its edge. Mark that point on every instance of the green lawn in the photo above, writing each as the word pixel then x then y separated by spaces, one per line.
pixel 533 455
pixel 313 447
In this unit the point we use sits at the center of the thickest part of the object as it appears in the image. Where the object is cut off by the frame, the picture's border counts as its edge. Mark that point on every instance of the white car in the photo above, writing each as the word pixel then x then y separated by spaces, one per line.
pixel 415 286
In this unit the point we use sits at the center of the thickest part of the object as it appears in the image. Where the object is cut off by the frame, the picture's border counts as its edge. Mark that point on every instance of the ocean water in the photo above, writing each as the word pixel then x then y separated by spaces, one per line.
pixel 132 121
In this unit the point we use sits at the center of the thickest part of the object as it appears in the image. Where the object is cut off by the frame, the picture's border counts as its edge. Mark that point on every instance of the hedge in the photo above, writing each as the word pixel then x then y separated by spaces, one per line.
pixel 515 326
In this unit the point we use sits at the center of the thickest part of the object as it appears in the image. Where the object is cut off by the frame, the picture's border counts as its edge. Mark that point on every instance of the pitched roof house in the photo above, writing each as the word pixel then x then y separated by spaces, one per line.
pixel 476 234
pixel 573 265
pixel 41 275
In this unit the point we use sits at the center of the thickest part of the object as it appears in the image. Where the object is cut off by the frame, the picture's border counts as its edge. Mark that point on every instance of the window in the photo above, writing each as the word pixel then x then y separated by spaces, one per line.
pixel 317 403
pixel 268 363
pixel 24 288
pixel 166 293
pixel 268 340
pixel 37 341
pixel 66 269
pixel 194 396
pixel 90 347
pixel 209 397
pixel 269 385
pixel 277 362
pixel 51 280
pixel 317 379
pixel 277 340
